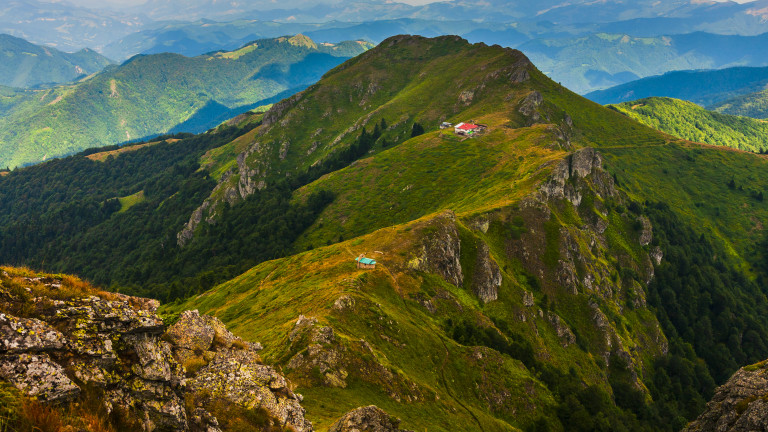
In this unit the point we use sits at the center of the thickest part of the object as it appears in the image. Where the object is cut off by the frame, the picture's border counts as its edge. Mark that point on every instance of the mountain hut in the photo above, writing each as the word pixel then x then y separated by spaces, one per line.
pixel 365 263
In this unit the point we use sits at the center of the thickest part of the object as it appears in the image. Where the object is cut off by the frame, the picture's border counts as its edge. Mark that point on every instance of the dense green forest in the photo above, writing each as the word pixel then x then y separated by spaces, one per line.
pixel 689 121
pixel 753 105
pixel 160 94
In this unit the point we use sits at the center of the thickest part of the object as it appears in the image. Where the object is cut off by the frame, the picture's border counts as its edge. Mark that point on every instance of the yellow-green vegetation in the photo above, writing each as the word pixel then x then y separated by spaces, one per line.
pixel 689 121
pixel 102 156
pixel 129 201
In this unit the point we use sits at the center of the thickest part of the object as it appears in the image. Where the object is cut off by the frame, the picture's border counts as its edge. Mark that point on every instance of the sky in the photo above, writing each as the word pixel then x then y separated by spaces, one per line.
pixel 119 3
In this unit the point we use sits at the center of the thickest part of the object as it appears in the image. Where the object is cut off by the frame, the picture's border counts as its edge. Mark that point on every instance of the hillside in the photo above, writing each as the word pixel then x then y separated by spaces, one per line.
pixel 704 87
pixel 29 65
pixel 592 62
pixel 151 95
pixel 753 105
pixel 689 121
pixel 536 277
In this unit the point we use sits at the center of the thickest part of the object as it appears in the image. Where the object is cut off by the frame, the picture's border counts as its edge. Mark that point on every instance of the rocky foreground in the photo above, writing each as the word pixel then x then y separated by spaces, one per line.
pixel 739 405
pixel 60 338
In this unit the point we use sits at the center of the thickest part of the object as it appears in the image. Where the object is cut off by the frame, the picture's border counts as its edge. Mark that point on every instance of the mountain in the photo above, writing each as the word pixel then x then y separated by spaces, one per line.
pixel 597 61
pixel 689 121
pixel 29 65
pixel 703 87
pixel 64 26
pixel 566 269
pixel 150 95
pixel 753 105
pixel 204 36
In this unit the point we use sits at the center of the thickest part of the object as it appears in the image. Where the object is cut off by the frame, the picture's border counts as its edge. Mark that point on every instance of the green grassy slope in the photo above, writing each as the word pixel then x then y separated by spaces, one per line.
pixel 691 122
pixel 155 94
pixel 27 65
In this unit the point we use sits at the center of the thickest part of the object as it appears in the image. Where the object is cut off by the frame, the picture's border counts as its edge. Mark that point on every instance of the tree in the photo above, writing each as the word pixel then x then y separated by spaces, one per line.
pixel 417 130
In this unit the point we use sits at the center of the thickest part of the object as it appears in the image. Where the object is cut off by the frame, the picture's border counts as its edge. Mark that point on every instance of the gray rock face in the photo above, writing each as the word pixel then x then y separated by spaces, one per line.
pixel 646 232
pixel 38 376
pixel 118 346
pixel 367 419
pixel 441 250
pixel 739 405
pixel 238 376
pixel 487 278
pixel 18 335
pixel 529 107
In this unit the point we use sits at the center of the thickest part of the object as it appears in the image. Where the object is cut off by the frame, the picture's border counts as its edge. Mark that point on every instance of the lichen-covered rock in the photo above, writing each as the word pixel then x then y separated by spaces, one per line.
pixel 38 376
pixel 191 332
pixel 367 419
pixel 238 376
pixel 19 335
pixel 739 405
pixel 115 343
pixel 487 278
pixel 441 250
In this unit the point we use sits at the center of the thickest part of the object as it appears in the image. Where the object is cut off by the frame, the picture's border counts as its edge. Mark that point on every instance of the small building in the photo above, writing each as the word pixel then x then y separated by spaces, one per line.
pixel 365 263
pixel 445 125
pixel 468 129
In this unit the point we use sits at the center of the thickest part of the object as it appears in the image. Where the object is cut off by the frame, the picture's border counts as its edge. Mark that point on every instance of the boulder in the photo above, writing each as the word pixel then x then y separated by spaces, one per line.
pixel 367 419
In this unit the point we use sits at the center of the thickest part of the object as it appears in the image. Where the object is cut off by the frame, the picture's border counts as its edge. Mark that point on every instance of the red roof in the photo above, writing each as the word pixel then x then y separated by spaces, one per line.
pixel 468 126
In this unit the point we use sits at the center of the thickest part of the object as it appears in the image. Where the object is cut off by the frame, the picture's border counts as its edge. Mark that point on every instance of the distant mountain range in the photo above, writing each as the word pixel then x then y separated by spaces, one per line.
pixel 71 28
pixel 703 87
pixel 26 65
pixel 161 93
pixel 596 61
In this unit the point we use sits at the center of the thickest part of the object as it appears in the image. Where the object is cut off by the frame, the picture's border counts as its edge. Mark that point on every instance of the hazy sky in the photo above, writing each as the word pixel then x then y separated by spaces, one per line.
pixel 102 3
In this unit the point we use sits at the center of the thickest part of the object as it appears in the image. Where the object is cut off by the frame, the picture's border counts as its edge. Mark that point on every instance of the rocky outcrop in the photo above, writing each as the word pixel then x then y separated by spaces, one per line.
pixel 441 250
pixel 739 405
pixel 487 278
pixel 368 419
pixel 118 345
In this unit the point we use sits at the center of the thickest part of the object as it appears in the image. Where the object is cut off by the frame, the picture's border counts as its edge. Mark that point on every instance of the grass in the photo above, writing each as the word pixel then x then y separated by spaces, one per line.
pixel 102 156
pixel 129 201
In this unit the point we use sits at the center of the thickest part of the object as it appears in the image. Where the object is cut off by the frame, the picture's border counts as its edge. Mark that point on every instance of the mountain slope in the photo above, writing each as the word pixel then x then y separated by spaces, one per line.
pixel 706 87
pixel 753 105
pixel 691 122
pixel 28 65
pixel 156 94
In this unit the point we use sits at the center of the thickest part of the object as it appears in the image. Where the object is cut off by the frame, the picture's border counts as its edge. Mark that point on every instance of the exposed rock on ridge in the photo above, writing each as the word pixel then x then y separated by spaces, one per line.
pixel 370 419
pixel 739 405
pixel 117 344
